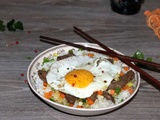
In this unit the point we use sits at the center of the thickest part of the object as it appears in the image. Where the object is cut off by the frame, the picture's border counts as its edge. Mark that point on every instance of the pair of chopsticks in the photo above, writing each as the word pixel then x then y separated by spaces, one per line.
pixel 107 51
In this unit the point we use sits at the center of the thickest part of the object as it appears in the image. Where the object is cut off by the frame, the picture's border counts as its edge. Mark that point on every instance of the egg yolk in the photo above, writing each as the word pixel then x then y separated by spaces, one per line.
pixel 79 78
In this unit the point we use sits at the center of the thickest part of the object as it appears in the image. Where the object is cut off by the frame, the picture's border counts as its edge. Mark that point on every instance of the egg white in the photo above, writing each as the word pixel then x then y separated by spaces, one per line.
pixel 104 72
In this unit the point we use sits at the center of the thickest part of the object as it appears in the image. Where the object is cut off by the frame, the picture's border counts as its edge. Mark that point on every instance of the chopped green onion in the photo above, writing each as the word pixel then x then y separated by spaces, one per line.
pixel 118 90
pixel 18 25
pixel 45 60
pixel 52 88
pixel 149 59
pixel 29 58
pixel 52 99
pixel 2 26
pixel 12 25
pixel 122 100
pixel 70 51
pixel 80 49
pixel 138 54
pixel 83 100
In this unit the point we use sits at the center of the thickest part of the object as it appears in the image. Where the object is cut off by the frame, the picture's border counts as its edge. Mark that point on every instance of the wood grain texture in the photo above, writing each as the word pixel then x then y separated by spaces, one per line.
pixel 56 18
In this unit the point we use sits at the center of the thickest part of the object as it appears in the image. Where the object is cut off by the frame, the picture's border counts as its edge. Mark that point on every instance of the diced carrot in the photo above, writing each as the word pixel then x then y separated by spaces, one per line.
pixel 78 106
pixel 121 73
pixel 126 68
pixel 90 54
pixel 130 90
pixel 111 92
pixel 90 101
pixel 62 95
pixel 125 87
pixel 48 95
pixel 99 92
pixel 71 105
pixel 45 84
pixel 115 59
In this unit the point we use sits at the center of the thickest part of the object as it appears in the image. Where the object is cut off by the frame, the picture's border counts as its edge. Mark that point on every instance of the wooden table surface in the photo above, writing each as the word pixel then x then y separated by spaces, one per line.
pixel 56 18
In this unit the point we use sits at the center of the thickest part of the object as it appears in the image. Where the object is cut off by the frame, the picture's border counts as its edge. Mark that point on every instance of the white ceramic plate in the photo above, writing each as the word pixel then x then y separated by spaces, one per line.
pixel 33 67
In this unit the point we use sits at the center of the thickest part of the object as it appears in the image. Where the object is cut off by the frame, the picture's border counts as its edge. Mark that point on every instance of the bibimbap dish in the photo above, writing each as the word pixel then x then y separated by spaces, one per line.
pixel 82 82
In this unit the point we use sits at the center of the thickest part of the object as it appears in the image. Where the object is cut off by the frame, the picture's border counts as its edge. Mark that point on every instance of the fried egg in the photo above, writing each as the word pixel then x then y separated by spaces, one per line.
pixel 82 75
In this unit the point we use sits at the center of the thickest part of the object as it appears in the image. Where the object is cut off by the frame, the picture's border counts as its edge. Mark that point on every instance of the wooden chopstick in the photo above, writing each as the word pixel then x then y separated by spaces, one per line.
pixel 154 82
pixel 151 80
pixel 156 65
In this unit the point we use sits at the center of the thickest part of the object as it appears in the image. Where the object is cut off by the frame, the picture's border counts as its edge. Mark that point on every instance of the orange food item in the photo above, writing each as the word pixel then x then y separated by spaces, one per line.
pixel 125 87
pixel 115 59
pixel 45 84
pixel 78 106
pixel 157 32
pixel 99 92
pixel 130 89
pixel 71 105
pixel 126 68
pixel 48 95
pixel 111 92
pixel 90 101
pixel 90 54
pixel 79 78
pixel 153 20
pixel 121 73
pixel 62 95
